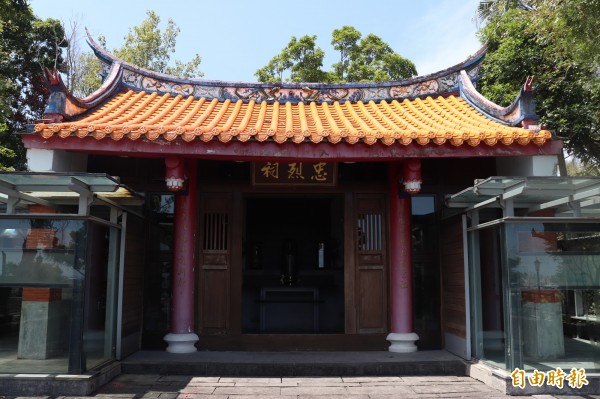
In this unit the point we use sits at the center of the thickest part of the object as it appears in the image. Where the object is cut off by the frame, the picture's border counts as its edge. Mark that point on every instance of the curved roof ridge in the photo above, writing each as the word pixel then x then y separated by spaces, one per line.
pixel 520 112
pixel 63 105
pixel 438 83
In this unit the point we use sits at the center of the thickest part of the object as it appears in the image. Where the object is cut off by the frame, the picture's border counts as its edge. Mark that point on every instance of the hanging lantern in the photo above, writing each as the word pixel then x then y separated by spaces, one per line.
pixel 411 175
pixel 174 174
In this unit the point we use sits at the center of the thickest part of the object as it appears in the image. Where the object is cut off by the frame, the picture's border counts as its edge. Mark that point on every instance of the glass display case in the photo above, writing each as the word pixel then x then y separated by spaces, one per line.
pixel 57 293
pixel 546 272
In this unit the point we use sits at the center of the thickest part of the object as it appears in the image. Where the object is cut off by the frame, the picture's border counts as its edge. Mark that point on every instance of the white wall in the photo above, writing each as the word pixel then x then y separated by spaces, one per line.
pixel 536 165
pixel 42 160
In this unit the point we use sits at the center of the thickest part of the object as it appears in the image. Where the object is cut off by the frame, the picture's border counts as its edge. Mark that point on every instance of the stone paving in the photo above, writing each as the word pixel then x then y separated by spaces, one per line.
pixel 186 387
pixel 189 387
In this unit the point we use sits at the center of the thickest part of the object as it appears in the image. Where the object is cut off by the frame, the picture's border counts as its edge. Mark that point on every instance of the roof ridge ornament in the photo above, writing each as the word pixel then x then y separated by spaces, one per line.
pixel 527 100
pixel 445 82
pixel 63 105
pixel 528 86
pixel 55 111
pixel 53 77
pixel 520 113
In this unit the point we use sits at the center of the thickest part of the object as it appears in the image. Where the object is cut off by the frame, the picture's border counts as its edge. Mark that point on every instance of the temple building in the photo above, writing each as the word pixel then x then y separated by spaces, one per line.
pixel 180 215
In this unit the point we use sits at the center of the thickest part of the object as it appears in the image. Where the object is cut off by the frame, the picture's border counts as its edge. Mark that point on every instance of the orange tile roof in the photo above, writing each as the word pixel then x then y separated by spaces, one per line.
pixel 162 116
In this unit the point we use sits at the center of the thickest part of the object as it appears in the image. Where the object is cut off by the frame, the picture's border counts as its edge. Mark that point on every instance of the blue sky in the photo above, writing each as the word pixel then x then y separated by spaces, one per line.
pixel 237 37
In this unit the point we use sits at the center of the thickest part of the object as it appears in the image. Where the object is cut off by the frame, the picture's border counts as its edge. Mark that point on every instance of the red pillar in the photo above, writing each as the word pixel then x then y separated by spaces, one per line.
pixel 182 338
pixel 402 336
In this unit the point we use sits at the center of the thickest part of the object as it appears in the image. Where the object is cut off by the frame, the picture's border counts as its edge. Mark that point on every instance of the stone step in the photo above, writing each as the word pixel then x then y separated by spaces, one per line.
pixel 290 364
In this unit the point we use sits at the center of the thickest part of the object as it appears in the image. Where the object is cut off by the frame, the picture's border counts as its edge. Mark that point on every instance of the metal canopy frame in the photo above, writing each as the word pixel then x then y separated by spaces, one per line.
pixel 24 188
pixel 568 196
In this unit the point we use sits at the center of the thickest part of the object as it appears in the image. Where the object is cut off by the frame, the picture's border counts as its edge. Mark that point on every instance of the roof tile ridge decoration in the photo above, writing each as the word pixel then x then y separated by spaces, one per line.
pixel 521 112
pixel 63 105
pixel 444 82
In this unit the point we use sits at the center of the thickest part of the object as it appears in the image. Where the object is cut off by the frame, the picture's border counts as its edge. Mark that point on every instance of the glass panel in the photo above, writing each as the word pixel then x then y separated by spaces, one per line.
pixel 101 274
pixel 58 181
pixel 489 340
pixel 41 272
pixel 157 272
pixel 162 204
pixel 528 192
pixel 426 272
pixel 57 294
pixel 552 295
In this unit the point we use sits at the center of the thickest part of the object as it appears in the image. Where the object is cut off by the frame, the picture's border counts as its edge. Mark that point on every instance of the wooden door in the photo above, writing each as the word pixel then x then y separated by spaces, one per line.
pixel 371 293
pixel 214 307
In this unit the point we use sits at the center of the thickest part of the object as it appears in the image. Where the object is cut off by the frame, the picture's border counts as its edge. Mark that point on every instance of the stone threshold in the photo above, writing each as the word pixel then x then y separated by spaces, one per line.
pixel 295 364
pixel 58 384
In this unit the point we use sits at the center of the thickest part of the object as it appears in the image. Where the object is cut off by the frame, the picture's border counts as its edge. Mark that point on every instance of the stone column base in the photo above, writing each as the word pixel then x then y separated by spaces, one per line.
pixel 402 342
pixel 181 343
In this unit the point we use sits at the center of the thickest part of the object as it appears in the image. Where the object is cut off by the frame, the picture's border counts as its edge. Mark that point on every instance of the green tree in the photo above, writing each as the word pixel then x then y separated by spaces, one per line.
pixel 361 59
pixel 578 168
pixel 372 59
pixel 522 43
pixel 490 9
pixel 82 72
pixel 28 45
pixel 86 78
pixel 574 27
pixel 145 45
pixel 148 47
pixel 345 41
pixel 301 57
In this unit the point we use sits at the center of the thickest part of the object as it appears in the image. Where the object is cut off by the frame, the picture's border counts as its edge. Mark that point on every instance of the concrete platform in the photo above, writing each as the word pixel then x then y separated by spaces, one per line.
pixel 57 384
pixel 290 364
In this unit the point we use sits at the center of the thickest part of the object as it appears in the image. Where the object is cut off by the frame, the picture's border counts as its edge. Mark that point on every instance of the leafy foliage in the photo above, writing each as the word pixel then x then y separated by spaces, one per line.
pixel 577 168
pixel 490 9
pixel 145 46
pixel 148 47
pixel 344 40
pixel 574 27
pixel 361 59
pixel 522 43
pixel 302 57
pixel 28 45
pixel 82 67
pixel 372 59
pixel 85 78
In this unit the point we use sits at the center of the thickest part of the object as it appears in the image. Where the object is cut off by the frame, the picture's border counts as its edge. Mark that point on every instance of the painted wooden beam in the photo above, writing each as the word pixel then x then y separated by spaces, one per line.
pixel 256 151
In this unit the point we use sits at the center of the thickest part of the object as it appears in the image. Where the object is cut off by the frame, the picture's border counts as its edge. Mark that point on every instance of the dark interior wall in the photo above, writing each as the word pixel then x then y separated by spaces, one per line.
pixel 453 278
pixel 133 280
pixel 451 175
pixel 278 226
pixel 439 174
pixel 140 174
pixel 305 222
pixel 426 272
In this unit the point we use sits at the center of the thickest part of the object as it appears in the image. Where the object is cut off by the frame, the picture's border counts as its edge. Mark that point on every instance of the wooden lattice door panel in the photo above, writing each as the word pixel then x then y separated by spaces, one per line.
pixel 215 263
pixel 371 264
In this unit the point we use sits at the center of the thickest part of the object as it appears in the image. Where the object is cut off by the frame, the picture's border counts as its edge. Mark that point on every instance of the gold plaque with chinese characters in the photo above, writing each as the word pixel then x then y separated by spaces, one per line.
pixel 294 173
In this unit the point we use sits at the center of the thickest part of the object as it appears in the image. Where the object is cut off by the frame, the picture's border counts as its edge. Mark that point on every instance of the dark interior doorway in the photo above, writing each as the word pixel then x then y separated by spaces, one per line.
pixel 293 268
